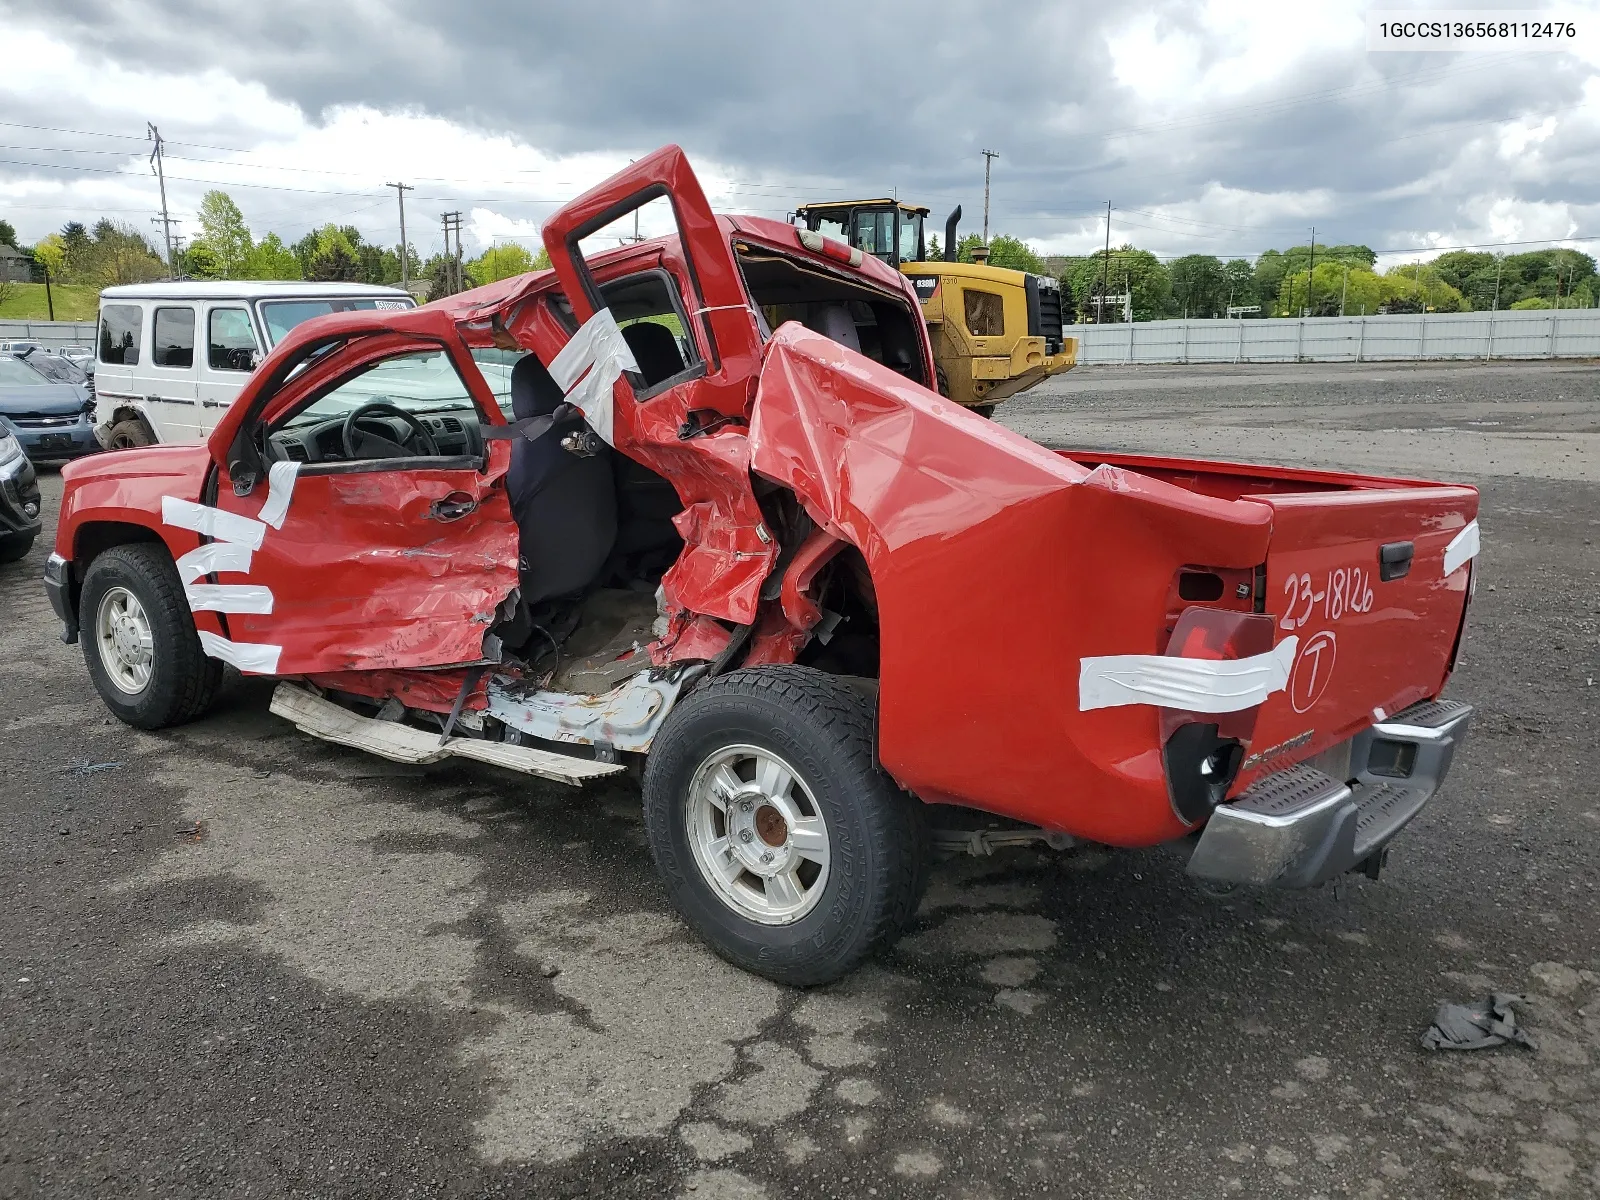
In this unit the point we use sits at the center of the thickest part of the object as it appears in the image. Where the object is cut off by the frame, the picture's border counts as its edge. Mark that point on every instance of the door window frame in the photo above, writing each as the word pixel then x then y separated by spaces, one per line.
pixel 214 307
pixel 561 308
pixel 155 350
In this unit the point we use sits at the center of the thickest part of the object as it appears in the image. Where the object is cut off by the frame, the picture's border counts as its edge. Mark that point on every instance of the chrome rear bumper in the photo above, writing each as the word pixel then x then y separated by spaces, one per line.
pixel 1302 826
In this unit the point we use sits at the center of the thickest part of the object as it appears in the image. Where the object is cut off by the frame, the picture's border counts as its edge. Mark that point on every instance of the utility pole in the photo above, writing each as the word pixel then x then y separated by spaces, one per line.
pixel 452 221
pixel 1346 291
pixel 1105 269
pixel 1311 273
pixel 1498 271
pixel 400 190
pixel 153 134
pixel 988 157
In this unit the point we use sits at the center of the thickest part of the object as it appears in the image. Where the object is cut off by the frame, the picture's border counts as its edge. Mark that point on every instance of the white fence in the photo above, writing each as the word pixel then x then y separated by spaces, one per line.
pixel 49 334
pixel 1546 333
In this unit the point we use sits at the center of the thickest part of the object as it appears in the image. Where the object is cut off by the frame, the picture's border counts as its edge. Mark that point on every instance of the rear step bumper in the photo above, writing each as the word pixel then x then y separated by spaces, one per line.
pixel 1301 826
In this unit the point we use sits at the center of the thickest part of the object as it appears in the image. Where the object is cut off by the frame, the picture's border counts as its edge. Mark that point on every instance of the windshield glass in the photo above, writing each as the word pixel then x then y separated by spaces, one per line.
pixel 16 373
pixel 56 368
pixel 910 236
pixel 280 316
pixel 419 383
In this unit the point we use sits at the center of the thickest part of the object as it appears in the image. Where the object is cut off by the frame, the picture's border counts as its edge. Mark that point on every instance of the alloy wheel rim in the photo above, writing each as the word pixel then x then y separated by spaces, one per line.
pixel 758 836
pixel 126 641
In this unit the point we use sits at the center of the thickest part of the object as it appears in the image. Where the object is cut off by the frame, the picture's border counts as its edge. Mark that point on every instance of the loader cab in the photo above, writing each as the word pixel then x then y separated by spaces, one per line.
pixel 885 229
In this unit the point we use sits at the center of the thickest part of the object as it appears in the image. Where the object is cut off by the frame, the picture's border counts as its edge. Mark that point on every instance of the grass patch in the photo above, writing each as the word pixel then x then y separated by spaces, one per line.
pixel 74 302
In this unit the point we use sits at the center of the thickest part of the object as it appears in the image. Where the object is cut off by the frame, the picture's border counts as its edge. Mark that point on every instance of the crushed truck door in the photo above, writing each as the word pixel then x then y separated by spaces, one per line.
pixel 371 545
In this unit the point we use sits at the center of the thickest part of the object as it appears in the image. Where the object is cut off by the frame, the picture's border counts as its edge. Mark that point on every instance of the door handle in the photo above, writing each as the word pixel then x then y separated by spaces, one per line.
pixel 452 507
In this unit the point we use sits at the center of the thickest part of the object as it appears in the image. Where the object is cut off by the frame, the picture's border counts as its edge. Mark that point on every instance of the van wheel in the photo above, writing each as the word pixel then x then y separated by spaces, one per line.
pixel 139 641
pixel 129 433
pixel 780 840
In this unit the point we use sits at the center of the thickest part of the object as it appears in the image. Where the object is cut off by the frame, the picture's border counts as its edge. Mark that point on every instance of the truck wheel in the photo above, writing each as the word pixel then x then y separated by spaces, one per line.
pixel 139 641
pixel 15 549
pixel 129 433
pixel 780 840
pixel 983 410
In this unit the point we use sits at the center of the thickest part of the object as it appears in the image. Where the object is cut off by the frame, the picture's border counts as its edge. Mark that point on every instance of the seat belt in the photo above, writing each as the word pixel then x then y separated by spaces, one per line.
pixel 532 428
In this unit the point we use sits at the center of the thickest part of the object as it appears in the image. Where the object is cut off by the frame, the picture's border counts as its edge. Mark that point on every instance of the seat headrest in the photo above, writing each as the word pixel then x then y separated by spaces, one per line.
pixel 533 392
pixel 656 350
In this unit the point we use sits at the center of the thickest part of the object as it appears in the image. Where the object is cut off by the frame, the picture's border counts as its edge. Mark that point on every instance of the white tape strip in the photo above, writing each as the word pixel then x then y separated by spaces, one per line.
pixel 1190 684
pixel 212 557
pixel 280 490
pixel 260 660
pixel 228 597
pixel 212 522
pixel 1463 548
pixel 600 349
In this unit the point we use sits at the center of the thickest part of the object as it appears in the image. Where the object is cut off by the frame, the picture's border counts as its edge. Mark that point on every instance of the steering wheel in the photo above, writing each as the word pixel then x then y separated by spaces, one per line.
pixel 388 449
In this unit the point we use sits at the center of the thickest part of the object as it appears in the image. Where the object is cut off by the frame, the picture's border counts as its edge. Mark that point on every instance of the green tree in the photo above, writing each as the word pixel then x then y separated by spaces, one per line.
pixel 1241 280
pixel 1140 270
pixel 500 262
pixel 1418 287
pixel 113 254
pixel 1004 251
pixel 333 258
pixel 271 259
pixel 8 233
pixel 1531 302
pixel 224 234
pixel 1361 292
pixel 51 252
pixel 1199 285
pixel 199 261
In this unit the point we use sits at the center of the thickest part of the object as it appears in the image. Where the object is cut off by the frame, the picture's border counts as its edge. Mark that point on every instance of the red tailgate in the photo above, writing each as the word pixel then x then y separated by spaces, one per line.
pixel 1367 646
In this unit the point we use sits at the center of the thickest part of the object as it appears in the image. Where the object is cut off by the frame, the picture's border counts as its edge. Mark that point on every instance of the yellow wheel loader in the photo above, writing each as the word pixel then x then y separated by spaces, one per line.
pixel 995 331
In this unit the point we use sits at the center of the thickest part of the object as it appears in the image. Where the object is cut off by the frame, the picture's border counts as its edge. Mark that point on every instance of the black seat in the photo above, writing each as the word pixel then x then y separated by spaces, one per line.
pixel 565 506
pixel 655 349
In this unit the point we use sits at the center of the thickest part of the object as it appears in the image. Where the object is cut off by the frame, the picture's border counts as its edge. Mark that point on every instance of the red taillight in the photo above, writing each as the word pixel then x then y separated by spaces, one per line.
pixel 1202 752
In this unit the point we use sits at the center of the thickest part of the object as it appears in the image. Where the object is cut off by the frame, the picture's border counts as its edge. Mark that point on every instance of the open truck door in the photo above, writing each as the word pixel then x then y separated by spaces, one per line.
pixel 720 311
pixel 359 520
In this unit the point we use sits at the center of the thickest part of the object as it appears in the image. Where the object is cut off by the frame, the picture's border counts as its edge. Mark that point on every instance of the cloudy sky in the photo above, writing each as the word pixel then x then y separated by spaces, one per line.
pixel 1217 127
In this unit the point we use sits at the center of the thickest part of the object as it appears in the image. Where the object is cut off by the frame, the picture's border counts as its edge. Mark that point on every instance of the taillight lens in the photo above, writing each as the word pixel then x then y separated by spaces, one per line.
pixel 1202 752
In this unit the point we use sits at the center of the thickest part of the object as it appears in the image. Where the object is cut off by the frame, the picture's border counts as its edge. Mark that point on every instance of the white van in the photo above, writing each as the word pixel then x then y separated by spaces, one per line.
pixel 172 356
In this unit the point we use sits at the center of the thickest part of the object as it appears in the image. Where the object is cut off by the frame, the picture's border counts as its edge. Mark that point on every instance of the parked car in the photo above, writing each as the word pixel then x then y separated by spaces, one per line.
pixel 733 535
pixel 172 356
pixel 56 367
pixel 19 500
pixel 52 418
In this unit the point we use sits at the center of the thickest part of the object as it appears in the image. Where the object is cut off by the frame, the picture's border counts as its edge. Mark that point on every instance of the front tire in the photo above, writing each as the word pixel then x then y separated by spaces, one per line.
pixel 781 841
pixel 139 640
pixel 15 549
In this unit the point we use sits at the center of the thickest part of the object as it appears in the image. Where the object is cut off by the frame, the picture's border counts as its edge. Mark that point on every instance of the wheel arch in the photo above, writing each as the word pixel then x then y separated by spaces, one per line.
pixel 93 538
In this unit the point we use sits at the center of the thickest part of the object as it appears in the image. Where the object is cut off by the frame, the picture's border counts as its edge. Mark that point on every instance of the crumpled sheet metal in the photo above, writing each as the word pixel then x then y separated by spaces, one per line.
pixel 997 566
pixel 1481 1025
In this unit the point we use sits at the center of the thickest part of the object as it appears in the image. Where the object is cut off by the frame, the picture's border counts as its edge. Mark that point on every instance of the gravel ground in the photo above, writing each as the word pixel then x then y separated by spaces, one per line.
pixel 238 962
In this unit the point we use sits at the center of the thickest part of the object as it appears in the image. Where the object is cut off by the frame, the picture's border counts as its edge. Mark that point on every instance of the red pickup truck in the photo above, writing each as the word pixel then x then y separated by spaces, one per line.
pixel 715 523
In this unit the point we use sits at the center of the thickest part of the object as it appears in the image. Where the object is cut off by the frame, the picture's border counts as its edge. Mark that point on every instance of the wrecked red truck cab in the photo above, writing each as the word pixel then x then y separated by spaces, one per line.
pixel 693 501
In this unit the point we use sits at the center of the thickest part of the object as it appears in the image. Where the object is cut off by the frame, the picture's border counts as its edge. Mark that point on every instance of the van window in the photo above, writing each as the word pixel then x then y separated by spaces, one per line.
pixel 119 333
pixel 230 342
pixel 173 337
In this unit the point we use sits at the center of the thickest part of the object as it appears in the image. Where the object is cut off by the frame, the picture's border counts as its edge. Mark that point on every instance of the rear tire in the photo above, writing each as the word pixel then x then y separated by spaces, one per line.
pixel 855 845
pixel 983 410
pixel 139 641
pixel 15 549
pixel 129 433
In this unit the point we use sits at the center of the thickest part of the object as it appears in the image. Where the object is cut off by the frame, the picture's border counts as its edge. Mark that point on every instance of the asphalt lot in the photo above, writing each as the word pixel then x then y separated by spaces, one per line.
pixel 239 962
